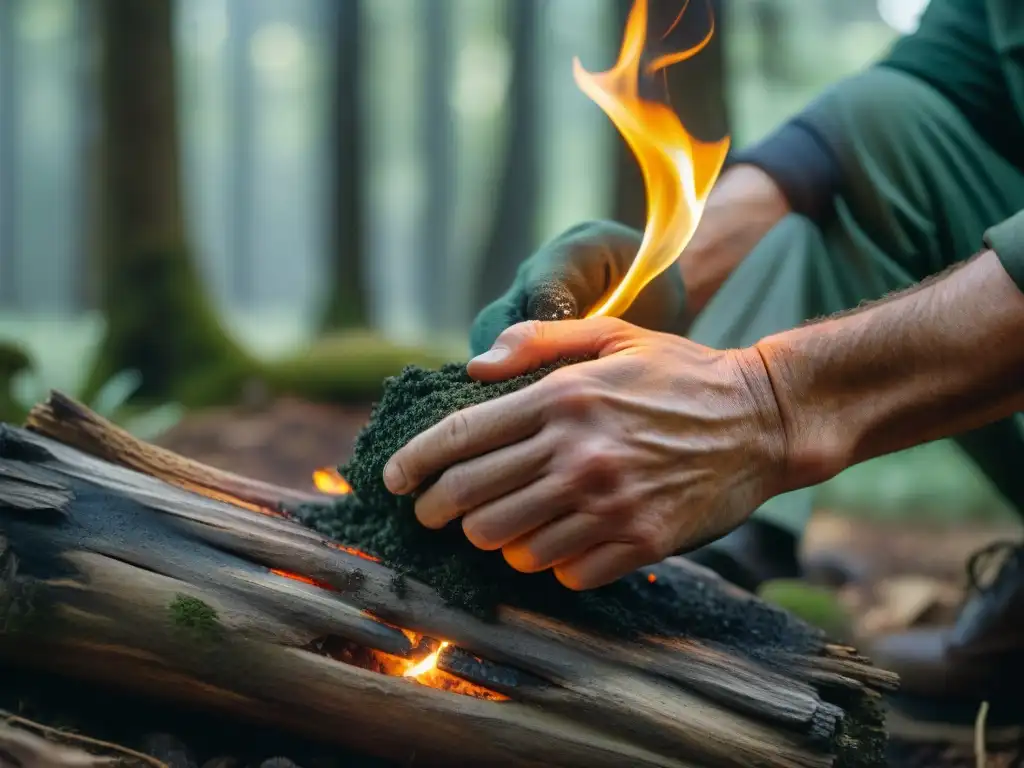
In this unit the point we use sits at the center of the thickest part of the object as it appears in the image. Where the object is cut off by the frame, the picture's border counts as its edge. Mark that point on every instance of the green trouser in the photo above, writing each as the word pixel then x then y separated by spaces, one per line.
pixel 920 189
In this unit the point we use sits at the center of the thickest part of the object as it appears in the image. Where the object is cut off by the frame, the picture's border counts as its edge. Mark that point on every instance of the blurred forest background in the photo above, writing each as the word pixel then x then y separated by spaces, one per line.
pixel 216 203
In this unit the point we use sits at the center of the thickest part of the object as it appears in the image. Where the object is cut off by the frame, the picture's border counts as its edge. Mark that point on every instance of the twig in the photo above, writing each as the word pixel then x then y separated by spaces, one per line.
pixel 74 738
pixel 980 751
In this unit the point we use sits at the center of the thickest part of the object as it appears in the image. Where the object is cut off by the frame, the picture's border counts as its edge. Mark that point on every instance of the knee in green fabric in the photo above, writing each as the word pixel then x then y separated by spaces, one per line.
pixel 917 178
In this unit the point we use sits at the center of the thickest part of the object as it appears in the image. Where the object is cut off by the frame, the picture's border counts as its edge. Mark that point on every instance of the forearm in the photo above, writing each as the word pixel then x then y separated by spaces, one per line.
pixel 940 359
pixel 743 206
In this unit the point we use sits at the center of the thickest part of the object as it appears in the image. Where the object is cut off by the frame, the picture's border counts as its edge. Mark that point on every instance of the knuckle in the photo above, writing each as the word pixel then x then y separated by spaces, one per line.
pixel 570 396
pixel 522 333
pixel 456 429
pixel 594 466
pixel 456 489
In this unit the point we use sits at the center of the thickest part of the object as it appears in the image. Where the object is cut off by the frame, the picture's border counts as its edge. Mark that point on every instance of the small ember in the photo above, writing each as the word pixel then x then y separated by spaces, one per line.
pixel 328 480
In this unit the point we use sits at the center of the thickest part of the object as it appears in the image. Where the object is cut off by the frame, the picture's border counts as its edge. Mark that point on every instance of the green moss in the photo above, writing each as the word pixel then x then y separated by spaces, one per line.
pixel 678 603
pixel 347 367
pixel 196 617
pixel 814 605
pixel 13 360
pixel 471 578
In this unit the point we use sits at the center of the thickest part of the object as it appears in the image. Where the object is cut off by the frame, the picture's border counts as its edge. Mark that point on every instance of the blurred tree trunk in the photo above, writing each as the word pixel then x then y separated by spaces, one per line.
pixel 773 57
pixel 438 150
pixel 8 153
pixel 240 257
pixel 697 89
pixel 159 319
pixel 347 301
pixel 511 236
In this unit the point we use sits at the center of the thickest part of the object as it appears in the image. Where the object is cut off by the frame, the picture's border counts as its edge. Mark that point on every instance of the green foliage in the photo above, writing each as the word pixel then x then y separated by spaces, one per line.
pixel 13 360
pixel 196 617
pixel 111 401
pixel 347 367
pixel 815 605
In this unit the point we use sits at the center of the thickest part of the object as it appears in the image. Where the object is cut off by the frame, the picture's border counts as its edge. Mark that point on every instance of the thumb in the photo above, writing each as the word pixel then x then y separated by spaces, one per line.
pixel 528 346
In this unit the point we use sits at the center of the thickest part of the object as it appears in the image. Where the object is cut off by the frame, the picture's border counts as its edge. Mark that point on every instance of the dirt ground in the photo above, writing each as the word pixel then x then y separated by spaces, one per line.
pixel 908 574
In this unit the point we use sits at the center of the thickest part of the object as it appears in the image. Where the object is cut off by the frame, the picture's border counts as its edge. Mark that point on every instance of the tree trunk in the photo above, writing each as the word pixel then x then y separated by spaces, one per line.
pixel 347 301
pixel 696 90
pixel 179 588
pixel 511 236
pixel 8 157
pixel 159 319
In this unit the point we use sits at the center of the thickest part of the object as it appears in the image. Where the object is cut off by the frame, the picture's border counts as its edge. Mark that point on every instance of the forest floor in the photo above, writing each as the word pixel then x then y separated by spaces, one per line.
pixel 911 571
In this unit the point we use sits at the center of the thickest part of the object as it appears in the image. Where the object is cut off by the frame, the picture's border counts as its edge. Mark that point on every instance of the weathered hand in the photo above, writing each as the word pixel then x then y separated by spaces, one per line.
pixel 599 468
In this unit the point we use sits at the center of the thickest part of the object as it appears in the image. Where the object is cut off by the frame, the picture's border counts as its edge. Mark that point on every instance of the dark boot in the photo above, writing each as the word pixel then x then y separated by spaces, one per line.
pixel 754 553
pixel 947 672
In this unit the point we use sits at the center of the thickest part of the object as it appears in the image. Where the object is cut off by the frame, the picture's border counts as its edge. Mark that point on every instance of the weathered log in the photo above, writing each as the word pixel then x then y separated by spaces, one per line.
pixel 150 584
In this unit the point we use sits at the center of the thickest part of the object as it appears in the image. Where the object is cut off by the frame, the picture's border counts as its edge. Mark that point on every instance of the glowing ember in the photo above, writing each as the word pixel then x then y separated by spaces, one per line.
pixel 678 170
pixel 299 577
pixel 353 551
pixel 327 480
pixel 427 664
pixel 652 577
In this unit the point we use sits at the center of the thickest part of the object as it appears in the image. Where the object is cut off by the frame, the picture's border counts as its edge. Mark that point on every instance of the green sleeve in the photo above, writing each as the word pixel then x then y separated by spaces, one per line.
pixel 952 50
pixel 1007 240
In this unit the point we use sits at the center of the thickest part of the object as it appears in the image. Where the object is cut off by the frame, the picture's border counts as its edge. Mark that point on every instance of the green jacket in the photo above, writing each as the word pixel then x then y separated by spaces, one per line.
pixel 970 51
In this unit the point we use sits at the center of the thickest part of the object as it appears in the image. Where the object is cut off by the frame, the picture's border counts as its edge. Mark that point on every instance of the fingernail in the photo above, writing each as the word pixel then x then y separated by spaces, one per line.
pixel 492 355
pixel 394 477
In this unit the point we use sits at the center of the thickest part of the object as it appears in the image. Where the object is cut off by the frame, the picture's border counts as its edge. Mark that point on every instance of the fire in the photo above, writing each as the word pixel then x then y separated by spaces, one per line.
pixel 428 664
pixel 652 577
pixel 327 480
pixel 678 170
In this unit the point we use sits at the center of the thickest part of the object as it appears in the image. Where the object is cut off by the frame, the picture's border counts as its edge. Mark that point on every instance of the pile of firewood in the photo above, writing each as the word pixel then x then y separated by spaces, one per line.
pixel 126 565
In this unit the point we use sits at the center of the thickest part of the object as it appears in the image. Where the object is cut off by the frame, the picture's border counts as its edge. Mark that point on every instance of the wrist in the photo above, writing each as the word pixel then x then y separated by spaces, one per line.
pixel 939 359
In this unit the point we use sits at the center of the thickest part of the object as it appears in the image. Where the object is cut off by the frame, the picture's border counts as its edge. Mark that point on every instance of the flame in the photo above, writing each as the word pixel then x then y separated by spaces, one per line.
pixel 652 577
pixel 427 664
pixel 678 170
pixel 327 480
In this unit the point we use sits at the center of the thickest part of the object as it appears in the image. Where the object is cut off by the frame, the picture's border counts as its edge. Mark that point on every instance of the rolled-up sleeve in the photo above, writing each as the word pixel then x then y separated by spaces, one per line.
pixel 1007 240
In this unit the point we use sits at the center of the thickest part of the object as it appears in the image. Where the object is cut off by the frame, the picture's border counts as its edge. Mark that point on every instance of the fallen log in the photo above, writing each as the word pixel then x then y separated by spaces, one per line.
pixel 148 572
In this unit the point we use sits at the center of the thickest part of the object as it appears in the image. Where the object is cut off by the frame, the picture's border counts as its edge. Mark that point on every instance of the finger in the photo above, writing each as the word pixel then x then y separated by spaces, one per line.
pixel 504 520
pixel 463 435
pixel 527 346
pixel 471 484
pixel 562 540
pixel 492 320
pixel 602 565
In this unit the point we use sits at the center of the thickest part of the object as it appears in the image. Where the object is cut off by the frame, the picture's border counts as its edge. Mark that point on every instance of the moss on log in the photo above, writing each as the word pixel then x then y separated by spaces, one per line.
pixel 699 606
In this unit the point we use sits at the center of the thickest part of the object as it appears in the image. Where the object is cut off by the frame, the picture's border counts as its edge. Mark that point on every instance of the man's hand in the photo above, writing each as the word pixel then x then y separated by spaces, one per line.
pixel 657 446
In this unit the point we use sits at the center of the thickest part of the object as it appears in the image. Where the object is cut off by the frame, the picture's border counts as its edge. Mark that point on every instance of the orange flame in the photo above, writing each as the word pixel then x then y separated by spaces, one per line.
pixel 327 480
pixel 678 170
pixel 427 664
